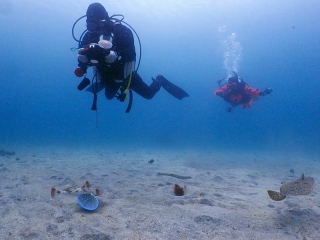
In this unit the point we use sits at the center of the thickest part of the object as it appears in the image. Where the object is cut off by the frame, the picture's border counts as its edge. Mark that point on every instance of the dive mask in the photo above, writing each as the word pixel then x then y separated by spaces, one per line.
pixel 96 26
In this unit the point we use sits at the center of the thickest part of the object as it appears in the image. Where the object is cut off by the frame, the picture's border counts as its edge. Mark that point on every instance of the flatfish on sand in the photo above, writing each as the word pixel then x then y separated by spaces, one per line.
pixel 302 186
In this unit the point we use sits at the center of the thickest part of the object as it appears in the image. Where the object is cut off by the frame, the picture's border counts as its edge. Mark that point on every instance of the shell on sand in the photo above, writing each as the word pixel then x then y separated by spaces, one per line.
pixel 302 186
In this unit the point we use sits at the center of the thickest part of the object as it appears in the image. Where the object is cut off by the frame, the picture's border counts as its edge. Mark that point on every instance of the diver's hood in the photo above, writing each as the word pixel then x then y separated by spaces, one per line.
pixel 232 80
pixel 96 12
pixel 235 79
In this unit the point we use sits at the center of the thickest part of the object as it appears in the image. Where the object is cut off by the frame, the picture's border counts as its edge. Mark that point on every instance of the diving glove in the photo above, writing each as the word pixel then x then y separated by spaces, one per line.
pixel 82 58
pixel 111 57
pixel 266 92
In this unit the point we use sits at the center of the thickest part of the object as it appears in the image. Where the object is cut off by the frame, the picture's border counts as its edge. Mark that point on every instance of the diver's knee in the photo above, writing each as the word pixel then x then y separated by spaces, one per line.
pixel 149 96
pixel 109 96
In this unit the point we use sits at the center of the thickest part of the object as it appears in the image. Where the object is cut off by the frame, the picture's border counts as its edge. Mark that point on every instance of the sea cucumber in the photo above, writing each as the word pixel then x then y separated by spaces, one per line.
pixel 174 175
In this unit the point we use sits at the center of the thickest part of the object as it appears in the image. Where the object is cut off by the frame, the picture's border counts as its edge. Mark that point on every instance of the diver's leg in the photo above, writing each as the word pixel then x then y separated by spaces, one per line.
pixel 111 90
pixel 246 101
pixel 140 87
pixel 248 104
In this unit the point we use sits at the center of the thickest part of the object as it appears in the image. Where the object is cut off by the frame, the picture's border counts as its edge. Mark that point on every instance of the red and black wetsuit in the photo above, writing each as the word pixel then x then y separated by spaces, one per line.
pixel 241 95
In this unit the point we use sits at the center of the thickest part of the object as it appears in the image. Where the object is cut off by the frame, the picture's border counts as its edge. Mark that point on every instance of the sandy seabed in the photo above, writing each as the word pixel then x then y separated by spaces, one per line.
pixel 226 197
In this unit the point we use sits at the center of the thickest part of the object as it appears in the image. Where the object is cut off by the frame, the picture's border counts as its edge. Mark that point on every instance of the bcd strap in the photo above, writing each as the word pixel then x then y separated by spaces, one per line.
pixel 123 95
pixel 130 101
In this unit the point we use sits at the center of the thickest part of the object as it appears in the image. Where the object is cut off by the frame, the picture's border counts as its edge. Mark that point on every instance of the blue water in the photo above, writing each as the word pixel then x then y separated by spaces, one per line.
pixel 270 43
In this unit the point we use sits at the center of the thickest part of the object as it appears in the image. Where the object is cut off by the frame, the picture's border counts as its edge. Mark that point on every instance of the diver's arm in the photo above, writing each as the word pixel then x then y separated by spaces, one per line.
pixel 252 91
pixel 88 38
pixel 221 91
pixel 124 43
pixel 256 92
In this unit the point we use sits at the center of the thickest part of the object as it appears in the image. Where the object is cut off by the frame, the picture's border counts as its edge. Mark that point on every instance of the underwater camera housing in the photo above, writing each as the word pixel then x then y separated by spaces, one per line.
pixel 94 53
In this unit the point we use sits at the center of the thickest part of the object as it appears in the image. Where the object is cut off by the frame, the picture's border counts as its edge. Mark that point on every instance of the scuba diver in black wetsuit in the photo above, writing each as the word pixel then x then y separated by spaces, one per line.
pixel 108 45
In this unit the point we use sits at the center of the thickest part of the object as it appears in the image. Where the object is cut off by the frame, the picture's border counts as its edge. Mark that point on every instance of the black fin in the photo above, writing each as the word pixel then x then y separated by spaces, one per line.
pixel 174 90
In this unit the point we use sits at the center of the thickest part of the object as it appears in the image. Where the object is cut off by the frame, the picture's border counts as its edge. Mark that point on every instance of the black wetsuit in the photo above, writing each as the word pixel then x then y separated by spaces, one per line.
pixel 123 45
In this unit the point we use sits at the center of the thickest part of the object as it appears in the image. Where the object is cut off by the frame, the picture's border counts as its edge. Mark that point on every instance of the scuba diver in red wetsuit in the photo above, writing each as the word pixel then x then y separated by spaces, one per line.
pixel 237 92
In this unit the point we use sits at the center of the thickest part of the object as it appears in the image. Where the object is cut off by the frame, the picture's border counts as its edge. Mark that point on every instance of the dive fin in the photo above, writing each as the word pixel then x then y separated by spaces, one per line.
pixel 174 90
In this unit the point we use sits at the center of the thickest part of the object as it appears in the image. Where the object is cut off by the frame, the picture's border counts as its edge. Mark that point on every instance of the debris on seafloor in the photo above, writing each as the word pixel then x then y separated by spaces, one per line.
pixel 178 191
pixel 88 201
pixel 302 186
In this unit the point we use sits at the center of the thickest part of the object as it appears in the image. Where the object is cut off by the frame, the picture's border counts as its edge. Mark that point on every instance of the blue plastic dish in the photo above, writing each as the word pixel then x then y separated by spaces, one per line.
pixel 88 201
